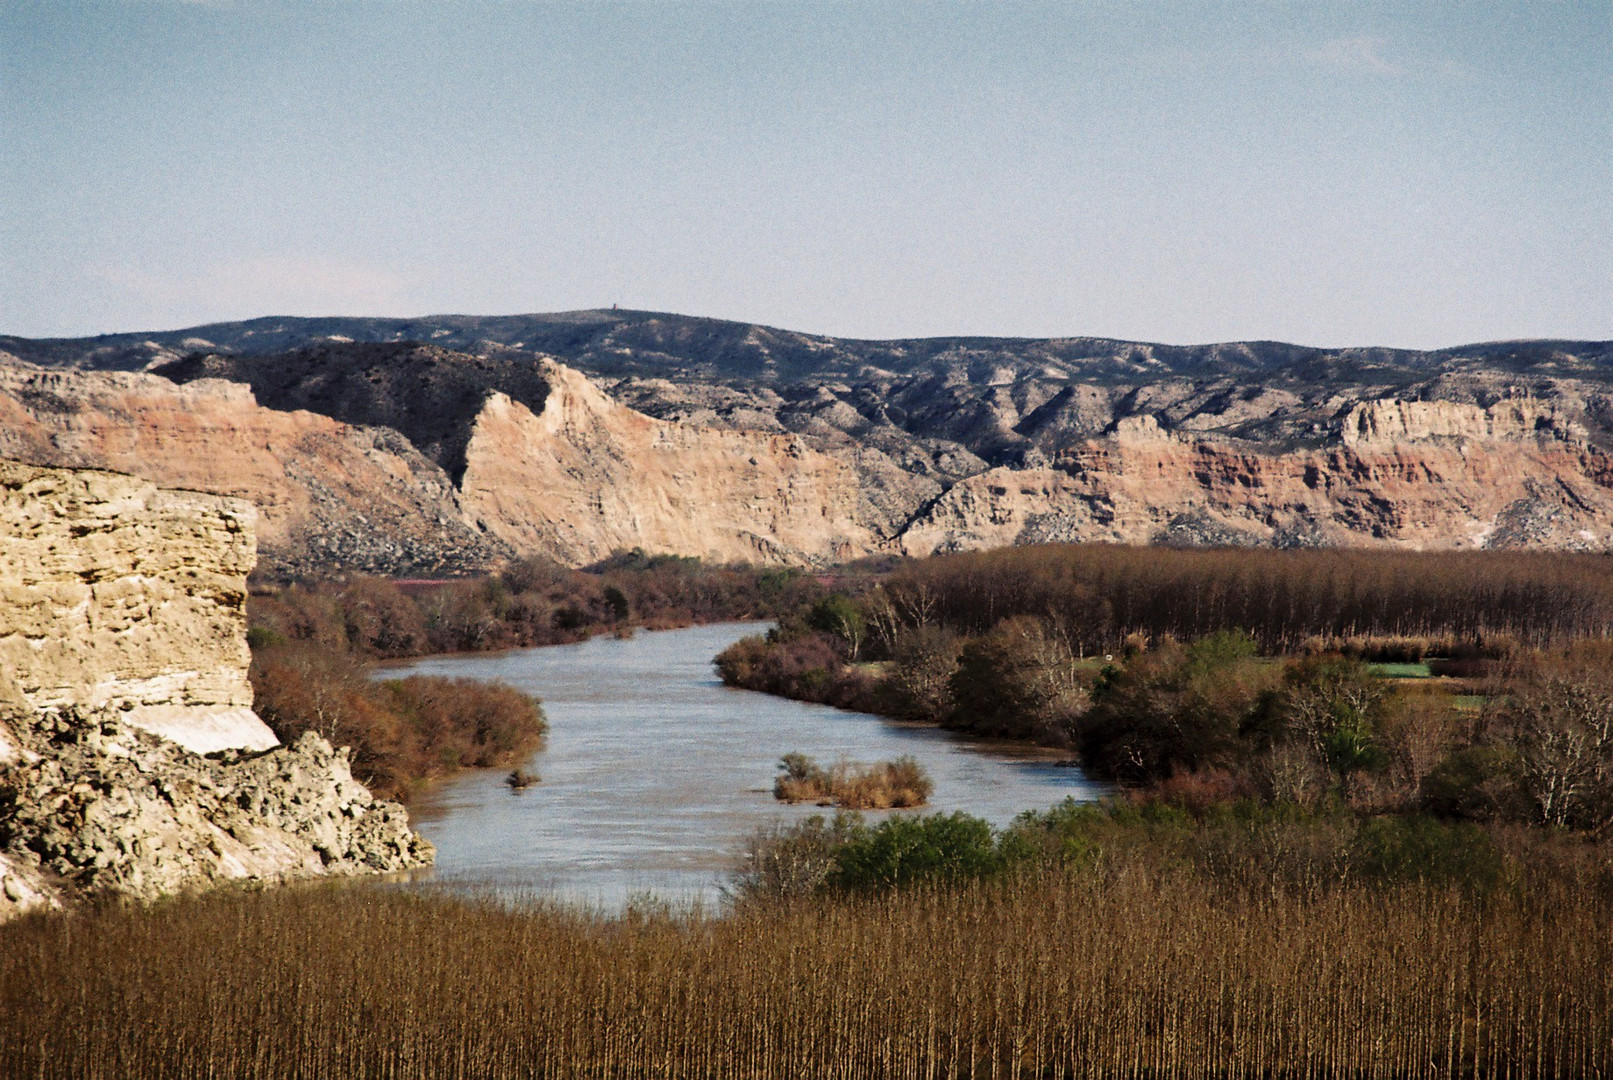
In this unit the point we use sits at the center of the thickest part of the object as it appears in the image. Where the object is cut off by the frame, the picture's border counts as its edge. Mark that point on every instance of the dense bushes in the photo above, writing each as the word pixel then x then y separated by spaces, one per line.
pixel 401 732
pixel 1242 845
pixel 849 856
pixel 1536 747
pixel 1018 680
pixel 467 723
pixel 1197 706
pixel 805 666
pixel 1174 710
pixel 535 602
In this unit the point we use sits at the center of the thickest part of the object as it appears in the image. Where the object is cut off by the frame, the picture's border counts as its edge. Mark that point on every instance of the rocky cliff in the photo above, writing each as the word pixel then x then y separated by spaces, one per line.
pixel 584 477
pixel 511 460
pixel 116 594
pixel 131 762
pixel 1407 474
pixel 328 494
pixel 709 438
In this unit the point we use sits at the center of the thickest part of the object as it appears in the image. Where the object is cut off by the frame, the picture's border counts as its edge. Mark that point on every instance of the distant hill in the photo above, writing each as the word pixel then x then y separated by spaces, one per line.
pixel 655 344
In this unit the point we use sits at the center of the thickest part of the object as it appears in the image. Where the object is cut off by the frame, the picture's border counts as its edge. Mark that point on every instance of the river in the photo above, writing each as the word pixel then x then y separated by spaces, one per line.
pixel 654 773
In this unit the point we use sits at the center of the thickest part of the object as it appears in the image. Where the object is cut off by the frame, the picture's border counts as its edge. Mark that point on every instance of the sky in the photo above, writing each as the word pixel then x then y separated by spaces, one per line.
pixel 1406 174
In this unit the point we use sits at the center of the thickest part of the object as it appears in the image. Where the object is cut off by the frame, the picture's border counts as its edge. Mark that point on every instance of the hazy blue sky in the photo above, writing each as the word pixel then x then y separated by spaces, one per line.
pixel 1333 174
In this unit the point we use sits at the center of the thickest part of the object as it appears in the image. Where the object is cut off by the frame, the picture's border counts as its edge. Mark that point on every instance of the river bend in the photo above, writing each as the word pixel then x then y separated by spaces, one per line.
pixel 654 772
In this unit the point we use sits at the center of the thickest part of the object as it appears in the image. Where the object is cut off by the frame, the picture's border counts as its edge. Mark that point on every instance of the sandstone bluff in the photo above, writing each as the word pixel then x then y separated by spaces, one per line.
pixel 131 763
pixel 450 444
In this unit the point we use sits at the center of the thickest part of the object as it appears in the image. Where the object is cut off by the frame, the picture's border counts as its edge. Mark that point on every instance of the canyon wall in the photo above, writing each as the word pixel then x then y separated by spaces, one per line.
pixel 506 455
pixel 328 494
pixel 1424 475
pixel 585 477
pixel 581 477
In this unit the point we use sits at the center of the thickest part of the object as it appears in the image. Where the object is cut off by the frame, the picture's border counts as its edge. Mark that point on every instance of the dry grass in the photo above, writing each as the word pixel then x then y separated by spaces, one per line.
pixel 1130 972
pixel 888 785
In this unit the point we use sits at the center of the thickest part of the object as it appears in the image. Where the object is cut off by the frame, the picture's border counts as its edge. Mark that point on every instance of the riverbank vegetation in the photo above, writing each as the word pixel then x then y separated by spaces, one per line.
pixel 1226 675
pixel 314 643
pixel 1133 942
pixel 888 785
pixel 534 602
pixel 403 733
pixel 1377 843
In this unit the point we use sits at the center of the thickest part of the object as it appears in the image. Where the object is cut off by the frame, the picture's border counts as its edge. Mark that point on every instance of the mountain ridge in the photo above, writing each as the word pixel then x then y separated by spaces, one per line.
pixel 593 341
pixel 727 440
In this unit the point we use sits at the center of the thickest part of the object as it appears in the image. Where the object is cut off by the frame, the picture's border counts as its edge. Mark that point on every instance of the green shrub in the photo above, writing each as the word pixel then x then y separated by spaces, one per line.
pixel 1475 783
pixel 1420 848
pixel 904 851
pixel 1175 710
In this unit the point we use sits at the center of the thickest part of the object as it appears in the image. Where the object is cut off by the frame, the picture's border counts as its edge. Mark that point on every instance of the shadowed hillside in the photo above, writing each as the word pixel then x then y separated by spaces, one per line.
pixel 429 394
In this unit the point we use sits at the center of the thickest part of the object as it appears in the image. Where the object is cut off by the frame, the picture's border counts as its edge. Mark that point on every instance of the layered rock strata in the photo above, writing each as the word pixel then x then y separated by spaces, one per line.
pixel 562 469
pixel 1424 475
pixel 131 762
pixel 585 477
pixel 328 494
pixel 116 594
pixel 911 447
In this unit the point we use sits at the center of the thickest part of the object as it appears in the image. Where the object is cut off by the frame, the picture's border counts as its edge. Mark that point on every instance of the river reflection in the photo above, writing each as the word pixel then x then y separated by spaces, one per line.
pixel 654 772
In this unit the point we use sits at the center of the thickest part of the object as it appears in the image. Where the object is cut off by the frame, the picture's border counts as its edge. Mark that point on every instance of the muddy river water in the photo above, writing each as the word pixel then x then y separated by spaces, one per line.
pixel 654 772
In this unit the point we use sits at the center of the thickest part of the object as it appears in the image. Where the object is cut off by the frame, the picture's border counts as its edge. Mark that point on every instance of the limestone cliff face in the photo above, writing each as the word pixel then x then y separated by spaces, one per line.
pixel 505 454
pixel 123 660
pixel 117 594
pixel 1390 421
pixel 1410 474
pixel 586 476
pixel 329 495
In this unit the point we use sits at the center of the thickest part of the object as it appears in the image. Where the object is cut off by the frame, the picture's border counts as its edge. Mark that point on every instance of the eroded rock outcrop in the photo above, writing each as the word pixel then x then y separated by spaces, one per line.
pixel 131 762
pixel 1390 421
pixel 1426 475
pixel 120 595
pixel 692 437
pixel 328 494
pixel 98 808
pixel 585 477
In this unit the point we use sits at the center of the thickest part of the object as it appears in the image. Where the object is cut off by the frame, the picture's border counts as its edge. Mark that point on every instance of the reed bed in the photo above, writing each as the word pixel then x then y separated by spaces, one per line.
pixel 886 785
pixel 1134 971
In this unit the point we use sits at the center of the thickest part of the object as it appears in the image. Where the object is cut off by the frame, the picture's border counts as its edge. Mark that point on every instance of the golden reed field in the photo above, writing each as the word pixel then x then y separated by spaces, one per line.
pixel 1132 969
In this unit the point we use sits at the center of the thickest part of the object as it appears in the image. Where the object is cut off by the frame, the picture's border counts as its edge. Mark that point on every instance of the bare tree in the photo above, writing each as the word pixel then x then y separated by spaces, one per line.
pixel 1565 744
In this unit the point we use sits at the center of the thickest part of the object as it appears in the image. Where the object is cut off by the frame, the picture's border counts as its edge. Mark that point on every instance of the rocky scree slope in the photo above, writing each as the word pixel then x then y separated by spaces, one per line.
pixel 131 763
pixel 960 442
pixel 93 807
